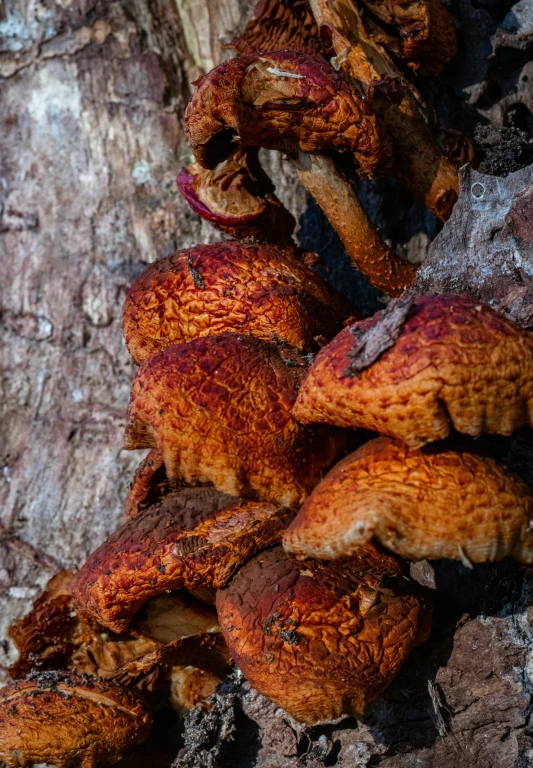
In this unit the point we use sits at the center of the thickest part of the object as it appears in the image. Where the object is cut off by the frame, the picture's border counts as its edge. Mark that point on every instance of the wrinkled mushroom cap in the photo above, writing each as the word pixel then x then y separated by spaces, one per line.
pixel 279 25
pixel 322 640
pixel 226 287
pixel 278 100
pixel 185 540
pixel 422 504
pixel 63 719
pixel 218 409
pixel 238 198
pixel 448 362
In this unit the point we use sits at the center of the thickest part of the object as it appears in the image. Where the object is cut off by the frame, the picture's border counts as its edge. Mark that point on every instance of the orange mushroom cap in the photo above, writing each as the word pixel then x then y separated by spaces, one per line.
pixel 218 409
pixel 183 541
pixel 422 504
pixel 279 25
pixel 420 367
pixel 226 288
pixel 279 100
pixel 322 640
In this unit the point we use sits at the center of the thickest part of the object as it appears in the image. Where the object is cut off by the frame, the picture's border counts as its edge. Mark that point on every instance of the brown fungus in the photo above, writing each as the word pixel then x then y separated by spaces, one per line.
pixel 67 721
pixel 422 504
pixel 219 410
pixel 322 640
pixel 181 542
pixel 449 362
pixel 227 288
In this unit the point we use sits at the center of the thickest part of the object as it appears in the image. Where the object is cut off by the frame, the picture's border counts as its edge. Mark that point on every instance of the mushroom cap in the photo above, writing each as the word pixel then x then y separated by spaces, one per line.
pixel 448 362
pixel 275 100
pixel 183 541
pixel 322 640
pixel 422 504
pixel 428 39
pixel 279 25
pixel 190 687
pixel 238 198
pixel 226 288
pixel 218 409
pixel 63 719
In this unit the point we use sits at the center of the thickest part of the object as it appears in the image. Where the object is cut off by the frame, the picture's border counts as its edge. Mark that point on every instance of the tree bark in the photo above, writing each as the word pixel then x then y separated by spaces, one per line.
pixel 92 94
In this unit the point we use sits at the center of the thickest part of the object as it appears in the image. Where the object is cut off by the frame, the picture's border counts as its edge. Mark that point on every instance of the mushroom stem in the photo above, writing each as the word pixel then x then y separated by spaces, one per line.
pixel 361 238
pixel 418 160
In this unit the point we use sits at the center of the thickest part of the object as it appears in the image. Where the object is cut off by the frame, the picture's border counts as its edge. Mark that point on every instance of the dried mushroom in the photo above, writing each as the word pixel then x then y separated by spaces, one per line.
pixel 48 635
pixel 238 198
pixel 218 410
pixel 420 367
pixel 427 34
pixel 279 25
pixel 181 541
pixel 322 640
pixel 422 504
pixel 66 720
pixel 298 103
pixel 190 687
pixel 226 287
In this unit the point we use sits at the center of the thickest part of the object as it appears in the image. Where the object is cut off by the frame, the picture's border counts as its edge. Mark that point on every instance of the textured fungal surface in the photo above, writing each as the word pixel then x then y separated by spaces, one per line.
pixel 66 720
pixel 279 25
pixel 453 363
pixel 226 288
pixel 182 541
pixel 238 198
pixel 322 640
pixel 219 410
pixel 428 40
pixel 47 636
pixel 279 100
pixel 424 504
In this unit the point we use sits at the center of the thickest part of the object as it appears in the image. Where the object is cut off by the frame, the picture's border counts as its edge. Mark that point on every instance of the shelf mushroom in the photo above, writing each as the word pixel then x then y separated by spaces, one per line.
pixel 219 410
pixel 227 288
pixel 298 103
pixel 420 367
pixel 322 640
pixel 423 504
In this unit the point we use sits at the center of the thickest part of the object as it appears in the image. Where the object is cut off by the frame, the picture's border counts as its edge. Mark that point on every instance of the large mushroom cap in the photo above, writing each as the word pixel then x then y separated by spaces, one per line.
pixel 238 198
pixel 63 720
pixel 226 287
pixel 218 409
pixel 322 640
pixel 184 540
pixel 423 504
pixel 420 367
pixel 278 100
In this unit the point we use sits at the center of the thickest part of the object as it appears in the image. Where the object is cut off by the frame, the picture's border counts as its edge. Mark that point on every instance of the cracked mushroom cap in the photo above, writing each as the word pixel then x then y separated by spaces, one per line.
pixel 421 367
pixel 226 288
pixel 238 198
pixel 66 720
pixel 422 504
pixel 219 410
pixel 185 540
pixel 279 100
pixel 322 640
pixel 427 34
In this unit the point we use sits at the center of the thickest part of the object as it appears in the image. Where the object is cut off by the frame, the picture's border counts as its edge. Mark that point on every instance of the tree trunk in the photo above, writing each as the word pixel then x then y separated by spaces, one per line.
pixel 92 94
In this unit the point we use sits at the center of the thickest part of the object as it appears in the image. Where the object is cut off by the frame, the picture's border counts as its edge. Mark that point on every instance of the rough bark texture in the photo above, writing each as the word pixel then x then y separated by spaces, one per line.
pixel 91 139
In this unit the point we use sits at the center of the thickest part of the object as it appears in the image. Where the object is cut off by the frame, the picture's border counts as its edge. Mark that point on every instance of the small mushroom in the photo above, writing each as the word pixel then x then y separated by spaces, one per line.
pixel 422 504
pixel 179 542
pixel 421 366
pixel 66 720
pixel 298 103
pixel 322 640
pixel 227 288
pixel 425 27
pixel 218 410
pixel 238 198
pixel 191 687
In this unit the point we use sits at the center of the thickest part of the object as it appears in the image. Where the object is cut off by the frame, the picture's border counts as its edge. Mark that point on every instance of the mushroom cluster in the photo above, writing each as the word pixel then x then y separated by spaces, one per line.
pixel 244 541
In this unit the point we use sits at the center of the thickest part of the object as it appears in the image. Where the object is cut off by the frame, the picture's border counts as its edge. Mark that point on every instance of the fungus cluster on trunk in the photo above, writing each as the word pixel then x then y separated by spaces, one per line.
pixel 251 537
